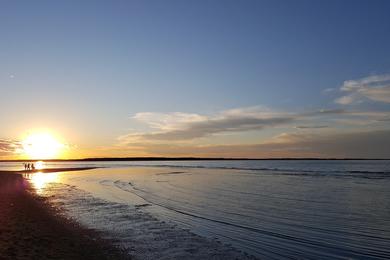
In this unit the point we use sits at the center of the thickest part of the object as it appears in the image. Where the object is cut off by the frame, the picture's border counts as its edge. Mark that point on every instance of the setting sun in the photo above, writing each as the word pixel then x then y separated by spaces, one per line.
pixel 41 146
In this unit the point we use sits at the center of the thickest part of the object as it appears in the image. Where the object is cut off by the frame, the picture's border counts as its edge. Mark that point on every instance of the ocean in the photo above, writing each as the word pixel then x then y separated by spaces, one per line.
pixel 267 209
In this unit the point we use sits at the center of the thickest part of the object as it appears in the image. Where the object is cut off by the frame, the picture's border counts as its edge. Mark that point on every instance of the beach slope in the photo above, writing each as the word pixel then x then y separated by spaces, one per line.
pixel 31 229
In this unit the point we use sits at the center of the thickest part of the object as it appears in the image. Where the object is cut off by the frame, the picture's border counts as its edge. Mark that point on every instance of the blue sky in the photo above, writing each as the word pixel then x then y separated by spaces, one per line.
pixel 92 66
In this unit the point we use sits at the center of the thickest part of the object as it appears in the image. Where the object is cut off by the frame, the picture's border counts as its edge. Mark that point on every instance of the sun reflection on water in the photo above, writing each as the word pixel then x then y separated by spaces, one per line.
pixel 39 165
pixel 40 180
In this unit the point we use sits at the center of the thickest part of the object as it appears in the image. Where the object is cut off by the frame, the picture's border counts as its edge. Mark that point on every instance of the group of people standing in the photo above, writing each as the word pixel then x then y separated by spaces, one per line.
pixel 29 166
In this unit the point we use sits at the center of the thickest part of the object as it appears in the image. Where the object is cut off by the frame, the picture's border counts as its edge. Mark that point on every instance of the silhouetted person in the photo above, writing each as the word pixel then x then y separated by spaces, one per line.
pixel 28 166
pixel 32 167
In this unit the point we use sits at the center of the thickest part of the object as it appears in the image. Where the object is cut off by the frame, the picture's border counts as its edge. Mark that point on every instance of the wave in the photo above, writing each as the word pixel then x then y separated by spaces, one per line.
pixel 320 245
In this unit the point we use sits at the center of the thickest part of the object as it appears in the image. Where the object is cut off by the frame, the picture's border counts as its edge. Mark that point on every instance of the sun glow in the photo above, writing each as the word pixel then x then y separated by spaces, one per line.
pixel 42 146
pixel 40 180
pixel 39 165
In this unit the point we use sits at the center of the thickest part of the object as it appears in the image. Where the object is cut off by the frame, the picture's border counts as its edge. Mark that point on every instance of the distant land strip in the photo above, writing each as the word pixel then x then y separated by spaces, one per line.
pixel 99 159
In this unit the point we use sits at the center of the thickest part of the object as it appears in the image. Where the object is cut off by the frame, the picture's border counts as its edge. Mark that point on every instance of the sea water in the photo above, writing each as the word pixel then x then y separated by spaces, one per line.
pixel 267 209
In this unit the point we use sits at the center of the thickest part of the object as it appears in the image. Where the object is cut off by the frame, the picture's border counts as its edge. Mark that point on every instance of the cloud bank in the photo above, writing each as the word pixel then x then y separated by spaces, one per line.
pixel 364 144
pixel 332 132
pixel 374 88
pixel 184 127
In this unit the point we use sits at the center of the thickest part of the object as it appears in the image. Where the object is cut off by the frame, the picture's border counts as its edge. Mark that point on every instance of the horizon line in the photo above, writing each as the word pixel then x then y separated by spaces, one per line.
pixel 157 158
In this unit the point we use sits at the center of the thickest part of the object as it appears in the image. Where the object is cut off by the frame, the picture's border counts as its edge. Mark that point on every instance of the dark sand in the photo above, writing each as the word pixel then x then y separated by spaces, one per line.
pixel 31 229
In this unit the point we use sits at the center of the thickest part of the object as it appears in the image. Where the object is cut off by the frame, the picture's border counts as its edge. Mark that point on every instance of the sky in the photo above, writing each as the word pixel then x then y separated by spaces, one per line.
pixel 254 79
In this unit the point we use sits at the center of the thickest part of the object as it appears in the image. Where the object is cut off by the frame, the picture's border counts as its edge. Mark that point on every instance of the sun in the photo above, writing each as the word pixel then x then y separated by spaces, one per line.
pixel 41 146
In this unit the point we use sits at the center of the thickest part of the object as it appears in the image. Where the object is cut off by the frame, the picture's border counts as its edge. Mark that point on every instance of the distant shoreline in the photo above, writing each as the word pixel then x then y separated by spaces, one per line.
pixel 113 159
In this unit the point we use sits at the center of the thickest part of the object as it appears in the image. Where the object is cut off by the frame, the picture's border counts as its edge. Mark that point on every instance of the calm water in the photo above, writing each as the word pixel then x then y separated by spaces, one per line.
pixel 269 209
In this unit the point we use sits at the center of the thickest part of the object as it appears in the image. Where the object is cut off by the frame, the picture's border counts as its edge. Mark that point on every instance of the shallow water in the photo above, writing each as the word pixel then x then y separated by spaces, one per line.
pixel 270 209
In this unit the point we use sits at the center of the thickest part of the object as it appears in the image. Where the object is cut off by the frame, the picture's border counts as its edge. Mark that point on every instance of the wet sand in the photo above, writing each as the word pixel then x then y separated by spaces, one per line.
pixel 50 170
pixel 30 228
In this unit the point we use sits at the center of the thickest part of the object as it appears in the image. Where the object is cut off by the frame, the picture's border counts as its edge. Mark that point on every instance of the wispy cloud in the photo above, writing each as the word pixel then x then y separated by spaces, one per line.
pixel 375 88
pixel 168 121
pixel 178 127
pixel 311 126
pixel 8 147
pixel 181 126
pixel 328 90
pixel 331 132
pixel 346 100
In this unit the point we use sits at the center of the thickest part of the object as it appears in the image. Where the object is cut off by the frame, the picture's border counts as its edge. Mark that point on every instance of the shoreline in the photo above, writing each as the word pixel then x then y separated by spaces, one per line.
pixel 48 170
pixel 30 228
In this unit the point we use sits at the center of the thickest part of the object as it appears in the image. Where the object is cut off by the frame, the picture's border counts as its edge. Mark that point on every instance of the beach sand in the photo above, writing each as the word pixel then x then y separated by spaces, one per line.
pixel 32 229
